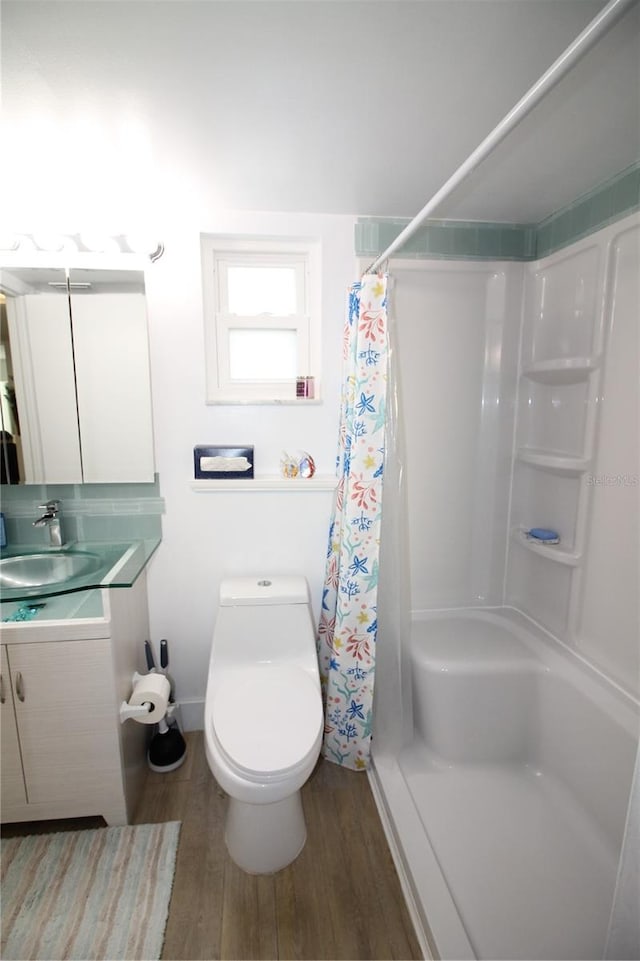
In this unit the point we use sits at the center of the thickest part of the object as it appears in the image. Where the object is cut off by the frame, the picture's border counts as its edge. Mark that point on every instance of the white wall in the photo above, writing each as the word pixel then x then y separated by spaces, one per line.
pixel 458 327
pixel 209 535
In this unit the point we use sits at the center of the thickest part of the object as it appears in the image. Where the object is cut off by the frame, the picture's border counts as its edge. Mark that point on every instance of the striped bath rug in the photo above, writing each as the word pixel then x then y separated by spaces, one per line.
pixel 101 894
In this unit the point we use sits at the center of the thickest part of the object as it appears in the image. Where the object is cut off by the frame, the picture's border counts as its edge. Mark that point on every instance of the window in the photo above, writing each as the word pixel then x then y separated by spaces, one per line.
pixel 261 315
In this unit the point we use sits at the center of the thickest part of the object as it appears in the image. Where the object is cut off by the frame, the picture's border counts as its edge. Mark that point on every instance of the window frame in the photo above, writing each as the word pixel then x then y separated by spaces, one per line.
pixel 218 254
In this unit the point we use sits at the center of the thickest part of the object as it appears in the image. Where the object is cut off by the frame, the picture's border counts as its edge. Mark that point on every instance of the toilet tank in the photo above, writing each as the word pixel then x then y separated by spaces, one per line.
pixel 265 619
pixel 249 591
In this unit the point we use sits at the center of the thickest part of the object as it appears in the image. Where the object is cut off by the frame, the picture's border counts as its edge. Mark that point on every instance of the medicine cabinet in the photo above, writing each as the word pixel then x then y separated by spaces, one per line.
pixel 76 393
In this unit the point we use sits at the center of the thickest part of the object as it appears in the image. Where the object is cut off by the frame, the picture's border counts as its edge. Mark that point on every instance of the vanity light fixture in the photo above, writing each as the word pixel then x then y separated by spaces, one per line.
pixel 100 244
pixel 83 243
pixel 9 242
pixel 141 243
pixel 54 243
pixel 20 243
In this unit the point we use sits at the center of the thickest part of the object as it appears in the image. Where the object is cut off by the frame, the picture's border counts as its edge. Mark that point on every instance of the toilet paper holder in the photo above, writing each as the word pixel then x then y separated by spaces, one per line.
pixel 132 711
pixel 141 711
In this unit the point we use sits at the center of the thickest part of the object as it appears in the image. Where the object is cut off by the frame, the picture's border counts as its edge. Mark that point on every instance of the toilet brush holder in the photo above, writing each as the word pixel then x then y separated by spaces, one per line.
pixel 167 748
pixel 174 716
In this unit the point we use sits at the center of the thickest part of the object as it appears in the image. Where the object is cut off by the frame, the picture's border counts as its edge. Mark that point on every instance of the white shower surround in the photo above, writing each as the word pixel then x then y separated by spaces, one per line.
pixel 519 392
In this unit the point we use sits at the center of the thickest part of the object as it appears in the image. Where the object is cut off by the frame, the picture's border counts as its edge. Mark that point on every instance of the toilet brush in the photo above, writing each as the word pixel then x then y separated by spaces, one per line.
pixel 167 749
pixel 172 718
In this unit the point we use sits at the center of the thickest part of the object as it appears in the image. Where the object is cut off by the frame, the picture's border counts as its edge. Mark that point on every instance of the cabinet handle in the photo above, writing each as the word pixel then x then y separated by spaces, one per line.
pixel 19 686
pixel 2 696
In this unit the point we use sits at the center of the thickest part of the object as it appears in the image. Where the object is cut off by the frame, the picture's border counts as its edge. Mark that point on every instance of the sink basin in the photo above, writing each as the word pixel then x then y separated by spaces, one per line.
pixel 53 567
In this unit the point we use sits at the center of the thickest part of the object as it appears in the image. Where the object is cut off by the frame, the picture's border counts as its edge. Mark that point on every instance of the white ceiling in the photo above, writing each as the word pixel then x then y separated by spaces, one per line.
pixel 337 106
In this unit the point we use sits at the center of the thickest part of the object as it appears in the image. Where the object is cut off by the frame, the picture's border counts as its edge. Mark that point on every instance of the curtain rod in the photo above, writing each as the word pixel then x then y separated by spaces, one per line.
pixel 592 33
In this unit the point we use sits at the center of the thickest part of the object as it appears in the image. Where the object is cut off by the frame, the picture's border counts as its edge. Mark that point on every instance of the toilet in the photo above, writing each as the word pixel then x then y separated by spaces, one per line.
pixel 263 716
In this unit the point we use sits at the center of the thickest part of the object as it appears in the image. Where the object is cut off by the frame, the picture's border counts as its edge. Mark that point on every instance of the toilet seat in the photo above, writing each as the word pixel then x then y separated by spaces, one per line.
pixel 267 718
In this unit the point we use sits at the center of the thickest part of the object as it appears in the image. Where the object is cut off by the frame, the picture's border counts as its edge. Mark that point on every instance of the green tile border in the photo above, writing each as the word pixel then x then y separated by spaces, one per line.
pixel 448 240
pixel 610 201
pixel 477 240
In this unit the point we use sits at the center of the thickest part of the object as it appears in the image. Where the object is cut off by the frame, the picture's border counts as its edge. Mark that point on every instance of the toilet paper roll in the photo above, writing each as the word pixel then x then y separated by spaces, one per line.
pixel 153 689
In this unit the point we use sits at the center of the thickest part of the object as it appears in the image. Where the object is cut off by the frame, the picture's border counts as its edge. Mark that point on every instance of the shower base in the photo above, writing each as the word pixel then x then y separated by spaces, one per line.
pixel 530 874
pixel 506 811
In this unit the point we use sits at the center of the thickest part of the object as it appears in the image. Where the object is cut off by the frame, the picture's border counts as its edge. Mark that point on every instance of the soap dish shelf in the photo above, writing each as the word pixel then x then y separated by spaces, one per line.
pixel 562 370
pixel 554 462
pixel 550 552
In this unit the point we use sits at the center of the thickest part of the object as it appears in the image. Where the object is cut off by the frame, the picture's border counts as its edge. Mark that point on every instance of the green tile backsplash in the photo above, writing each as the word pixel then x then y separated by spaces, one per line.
pixel 470 240
pixel 91 512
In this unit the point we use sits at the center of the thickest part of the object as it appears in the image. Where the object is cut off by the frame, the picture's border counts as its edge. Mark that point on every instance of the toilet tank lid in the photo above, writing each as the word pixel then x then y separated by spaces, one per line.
pixel 279 589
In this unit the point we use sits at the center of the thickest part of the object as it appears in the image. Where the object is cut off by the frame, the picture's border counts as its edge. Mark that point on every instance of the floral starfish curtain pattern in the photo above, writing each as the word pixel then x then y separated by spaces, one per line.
pixel 348 623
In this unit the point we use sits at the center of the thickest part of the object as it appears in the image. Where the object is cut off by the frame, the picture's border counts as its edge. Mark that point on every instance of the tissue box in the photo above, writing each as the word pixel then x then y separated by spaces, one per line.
pixel 222 463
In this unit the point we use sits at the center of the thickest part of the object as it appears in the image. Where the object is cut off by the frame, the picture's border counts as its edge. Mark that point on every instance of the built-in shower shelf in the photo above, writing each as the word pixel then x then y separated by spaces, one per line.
pixel 551 552
pixel 561 370
pixel 551 461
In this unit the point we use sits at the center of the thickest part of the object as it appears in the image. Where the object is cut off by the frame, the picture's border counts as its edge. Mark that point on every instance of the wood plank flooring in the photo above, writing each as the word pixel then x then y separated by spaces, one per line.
pixel 340 899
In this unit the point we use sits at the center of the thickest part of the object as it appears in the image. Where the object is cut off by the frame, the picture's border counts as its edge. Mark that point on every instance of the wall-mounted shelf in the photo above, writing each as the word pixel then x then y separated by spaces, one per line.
pixel 550 552
pixel 267 483
pixel 561 370
pixel 550 461
pixel 265 401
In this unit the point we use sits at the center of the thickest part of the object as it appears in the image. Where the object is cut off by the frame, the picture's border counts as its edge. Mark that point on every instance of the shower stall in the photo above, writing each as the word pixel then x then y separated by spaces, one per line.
pixel 507 682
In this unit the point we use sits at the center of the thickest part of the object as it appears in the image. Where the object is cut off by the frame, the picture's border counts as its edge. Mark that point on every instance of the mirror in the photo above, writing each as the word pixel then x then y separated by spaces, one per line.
pixel 74 373
pixel 11 468
pixel 16 284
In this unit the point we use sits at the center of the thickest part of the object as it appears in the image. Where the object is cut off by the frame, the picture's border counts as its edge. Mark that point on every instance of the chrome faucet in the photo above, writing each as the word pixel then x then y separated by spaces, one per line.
pixel 51 519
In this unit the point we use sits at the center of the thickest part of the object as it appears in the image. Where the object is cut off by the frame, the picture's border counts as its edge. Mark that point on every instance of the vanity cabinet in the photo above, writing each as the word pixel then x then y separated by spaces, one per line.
pixel 12 789
pixel 64 719
pixel 64 751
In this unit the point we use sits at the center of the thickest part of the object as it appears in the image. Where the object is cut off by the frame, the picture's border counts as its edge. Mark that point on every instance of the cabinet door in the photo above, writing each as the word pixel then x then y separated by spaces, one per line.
pixel 45 387
pixel 114 387
pixel 67 718
pixel 12 780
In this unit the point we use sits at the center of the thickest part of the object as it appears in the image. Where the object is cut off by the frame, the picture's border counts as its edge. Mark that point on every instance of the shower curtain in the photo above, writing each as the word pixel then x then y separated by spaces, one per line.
pixel 348 622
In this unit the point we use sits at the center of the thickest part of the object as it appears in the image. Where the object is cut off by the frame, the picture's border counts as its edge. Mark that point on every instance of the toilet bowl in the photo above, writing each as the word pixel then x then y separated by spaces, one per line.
pixel 263 716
